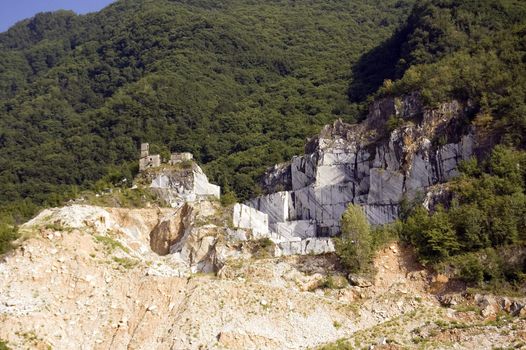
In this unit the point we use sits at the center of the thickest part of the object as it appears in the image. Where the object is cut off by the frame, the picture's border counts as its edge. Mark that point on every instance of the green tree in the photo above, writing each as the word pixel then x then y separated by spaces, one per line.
pixel 355 246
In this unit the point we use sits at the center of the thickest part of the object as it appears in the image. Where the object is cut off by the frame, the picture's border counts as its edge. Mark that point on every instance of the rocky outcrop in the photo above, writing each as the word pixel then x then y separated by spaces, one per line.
pixel 169 230
pixel 367 164
pixel 185 235
pixel 491 305
pixel 180 183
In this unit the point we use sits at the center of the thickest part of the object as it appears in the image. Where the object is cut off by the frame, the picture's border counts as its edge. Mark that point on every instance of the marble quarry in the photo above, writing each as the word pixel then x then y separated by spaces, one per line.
pixel 366 164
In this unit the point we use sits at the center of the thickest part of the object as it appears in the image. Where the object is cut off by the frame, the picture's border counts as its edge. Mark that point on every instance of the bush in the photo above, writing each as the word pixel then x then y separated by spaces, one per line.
pixel 8 234
pixel 262 248
pixel 3 345
pixel 334 282
pixel 355 246
pixel 386 234
pixel 393 123
pixel 470 268
pixel 228 198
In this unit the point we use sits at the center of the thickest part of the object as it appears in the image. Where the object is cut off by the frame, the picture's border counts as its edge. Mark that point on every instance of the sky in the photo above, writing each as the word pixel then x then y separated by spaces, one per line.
pixel 12 11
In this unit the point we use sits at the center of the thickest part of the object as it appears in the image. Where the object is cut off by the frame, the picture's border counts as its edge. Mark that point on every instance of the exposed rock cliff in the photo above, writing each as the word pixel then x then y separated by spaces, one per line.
pixel 400 149
pixel 179 183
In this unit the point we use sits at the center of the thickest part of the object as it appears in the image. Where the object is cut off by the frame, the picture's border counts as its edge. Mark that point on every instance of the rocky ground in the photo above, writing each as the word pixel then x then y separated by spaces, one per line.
pixel 85 278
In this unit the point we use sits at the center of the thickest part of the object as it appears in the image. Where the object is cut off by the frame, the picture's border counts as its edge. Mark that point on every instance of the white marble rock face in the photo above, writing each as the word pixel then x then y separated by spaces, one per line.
pixel 176 188
pixel 276 205
pixel 342 168
pixel 305 246
pixel 249 218
pixel 204 188
pixel 298 228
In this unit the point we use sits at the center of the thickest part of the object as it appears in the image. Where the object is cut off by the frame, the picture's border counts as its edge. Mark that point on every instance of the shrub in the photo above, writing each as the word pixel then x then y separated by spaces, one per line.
pixel 334 282
pixel 262 248
pixel 228 198
pixel 470 268
pixel 8 234
pixel 386 234
pixel 432 236
pixel 393 122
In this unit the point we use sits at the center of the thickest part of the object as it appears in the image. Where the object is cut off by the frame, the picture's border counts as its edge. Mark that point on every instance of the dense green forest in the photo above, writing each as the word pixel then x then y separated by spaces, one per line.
pixel 238 83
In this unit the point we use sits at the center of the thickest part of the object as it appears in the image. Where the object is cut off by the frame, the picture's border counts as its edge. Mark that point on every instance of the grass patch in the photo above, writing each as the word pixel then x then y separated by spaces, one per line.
pixel 126 263
pixel 123 198
pixel 55 226
pixel 468 308
pixel 3 345
pixel 111 244
pixel 338 345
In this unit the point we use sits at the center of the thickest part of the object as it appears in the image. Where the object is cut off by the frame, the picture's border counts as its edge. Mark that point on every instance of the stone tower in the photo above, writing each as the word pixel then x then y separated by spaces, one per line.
pixel 148 161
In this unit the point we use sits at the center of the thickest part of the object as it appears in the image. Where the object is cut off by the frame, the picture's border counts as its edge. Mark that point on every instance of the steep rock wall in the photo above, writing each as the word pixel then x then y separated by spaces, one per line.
pixel 373 164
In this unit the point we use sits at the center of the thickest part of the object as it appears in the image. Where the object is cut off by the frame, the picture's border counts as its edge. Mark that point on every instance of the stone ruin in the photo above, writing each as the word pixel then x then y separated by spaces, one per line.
pixel 176 158
pixel 176 185
pixel 148 161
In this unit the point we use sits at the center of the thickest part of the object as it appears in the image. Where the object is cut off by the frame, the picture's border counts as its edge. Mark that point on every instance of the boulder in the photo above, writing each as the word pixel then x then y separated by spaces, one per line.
pixel 451 299
pixel 488 304
pixel 359 281
pixel 517 308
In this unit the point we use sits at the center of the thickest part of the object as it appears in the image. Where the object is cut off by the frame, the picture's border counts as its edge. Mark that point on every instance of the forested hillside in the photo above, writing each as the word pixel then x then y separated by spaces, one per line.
pixel 239 83
pixel 473 51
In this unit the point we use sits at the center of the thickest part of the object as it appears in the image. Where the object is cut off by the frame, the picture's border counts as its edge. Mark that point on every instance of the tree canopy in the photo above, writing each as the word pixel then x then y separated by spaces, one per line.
pixel 238 83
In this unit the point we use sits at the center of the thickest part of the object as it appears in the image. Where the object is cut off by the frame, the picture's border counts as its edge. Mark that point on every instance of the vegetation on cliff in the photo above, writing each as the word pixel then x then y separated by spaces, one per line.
pixel 481 235
pixel 473 51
